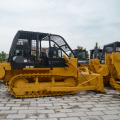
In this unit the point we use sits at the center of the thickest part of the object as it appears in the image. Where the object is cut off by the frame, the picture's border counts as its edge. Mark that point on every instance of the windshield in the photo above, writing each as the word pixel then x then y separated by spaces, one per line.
pixel 81 55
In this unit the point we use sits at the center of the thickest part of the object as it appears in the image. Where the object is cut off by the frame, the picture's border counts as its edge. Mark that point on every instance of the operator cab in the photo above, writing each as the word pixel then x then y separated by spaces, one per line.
pixel 96 53
pixel 109 48
pixel 28 51
pixel 100 53
pixel 112 47
pixel 55 52
pixel 81 55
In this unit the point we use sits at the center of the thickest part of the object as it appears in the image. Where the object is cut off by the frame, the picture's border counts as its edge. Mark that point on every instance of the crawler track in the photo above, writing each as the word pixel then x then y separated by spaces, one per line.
pixel 34 89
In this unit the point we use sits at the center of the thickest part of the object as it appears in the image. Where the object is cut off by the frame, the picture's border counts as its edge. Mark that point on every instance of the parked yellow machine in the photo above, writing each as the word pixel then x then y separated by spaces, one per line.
pixel 96 67
pixel 30 72
pixel 113 62
pixel 110 70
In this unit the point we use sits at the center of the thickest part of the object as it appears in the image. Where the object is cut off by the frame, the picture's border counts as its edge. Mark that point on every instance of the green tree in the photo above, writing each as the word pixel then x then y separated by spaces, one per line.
pixel 70 54
pixel 80 47
pixel 96 45
pixel 87 54
pixel 3 56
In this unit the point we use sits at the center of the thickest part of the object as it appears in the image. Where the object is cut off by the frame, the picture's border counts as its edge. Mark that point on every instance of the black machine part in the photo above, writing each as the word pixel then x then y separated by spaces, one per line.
pixel 100 53
pixel 112 47
pixel 26 50
pixel 81 55
pixel 96 53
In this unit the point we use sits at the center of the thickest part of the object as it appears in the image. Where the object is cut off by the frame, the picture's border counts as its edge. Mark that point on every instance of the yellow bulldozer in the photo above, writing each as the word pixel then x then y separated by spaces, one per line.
pixel 107 63
pixel 31 72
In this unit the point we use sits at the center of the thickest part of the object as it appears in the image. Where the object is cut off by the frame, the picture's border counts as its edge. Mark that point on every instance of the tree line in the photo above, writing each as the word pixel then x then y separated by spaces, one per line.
pixel 3 57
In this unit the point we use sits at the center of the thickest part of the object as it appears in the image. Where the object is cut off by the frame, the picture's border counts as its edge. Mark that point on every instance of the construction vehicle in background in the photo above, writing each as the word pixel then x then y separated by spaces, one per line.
pixel 110 70
pixel 96 53
pixel 33 72
pixel 81 55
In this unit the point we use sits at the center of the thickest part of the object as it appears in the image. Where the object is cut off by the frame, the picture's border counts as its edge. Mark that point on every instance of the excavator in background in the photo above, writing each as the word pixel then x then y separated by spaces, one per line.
pixel 34 72
pixel 110 67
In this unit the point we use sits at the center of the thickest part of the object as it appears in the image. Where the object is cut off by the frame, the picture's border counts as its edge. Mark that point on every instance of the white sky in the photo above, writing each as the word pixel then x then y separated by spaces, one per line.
pixel 80 22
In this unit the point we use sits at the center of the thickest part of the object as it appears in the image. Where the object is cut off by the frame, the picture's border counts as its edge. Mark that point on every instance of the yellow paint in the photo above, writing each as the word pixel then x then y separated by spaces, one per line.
pixel 96 67
pixel 2 72
pixel 110 70
pixel 113 62
pixel 3 67
pixel 35 82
